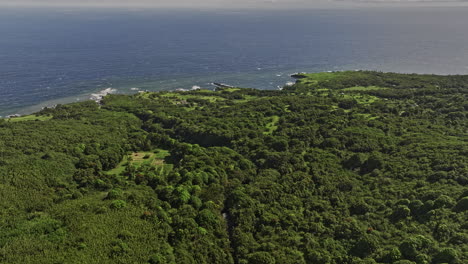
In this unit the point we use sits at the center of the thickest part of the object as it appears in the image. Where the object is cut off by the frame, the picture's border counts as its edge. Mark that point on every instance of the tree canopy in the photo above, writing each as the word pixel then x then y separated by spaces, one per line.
pixel 343 167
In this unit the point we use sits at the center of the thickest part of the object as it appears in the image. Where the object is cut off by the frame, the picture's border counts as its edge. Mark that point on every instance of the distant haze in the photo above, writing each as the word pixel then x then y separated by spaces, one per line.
pixel 229 3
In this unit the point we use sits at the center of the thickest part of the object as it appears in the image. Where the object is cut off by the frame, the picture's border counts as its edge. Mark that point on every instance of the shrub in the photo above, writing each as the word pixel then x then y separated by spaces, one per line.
pixel 416 207
pixel 443 201
pixel 77 195
pixel 119 248
pixel 422 259
pixel 401 212
pixel 359 208
pixel 118 204
pixel 365 246
pixel 85 207
pixel 410 248
pixel 374 162
pixel 447 255
pixel 125 234
pixel 462 205
pixel 347 103
pixel 403 261
pixel 114 194
pixel 443 232
pixel 81 246
pixel 157 259
pixel 355 161
pixel 393 255
pixel 101 210
pixel 102 185
pixel 206 218
pixel 146 215
pixel 261 258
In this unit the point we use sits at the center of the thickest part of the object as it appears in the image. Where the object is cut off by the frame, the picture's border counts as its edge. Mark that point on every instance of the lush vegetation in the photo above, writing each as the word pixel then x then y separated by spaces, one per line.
pixel 348 167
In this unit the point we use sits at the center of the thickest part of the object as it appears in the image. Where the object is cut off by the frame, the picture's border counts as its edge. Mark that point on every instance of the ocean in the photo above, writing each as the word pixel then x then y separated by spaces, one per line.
pixel 51 56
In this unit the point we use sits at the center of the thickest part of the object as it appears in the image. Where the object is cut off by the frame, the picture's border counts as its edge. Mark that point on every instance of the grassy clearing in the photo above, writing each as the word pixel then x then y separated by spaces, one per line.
pixel 367 116
pixel 362 98
pixel 119 169
pixel 314 78
pixel 181 98
pixel 231 89
pixel 155 158
pixel 364 88
pixel 319 81
pixel 323 76
pixel 177 97
pixel 272 125
pixel 246 98
pixel 206 91
pixel 29 118
pixel 144 95
pixel 366 99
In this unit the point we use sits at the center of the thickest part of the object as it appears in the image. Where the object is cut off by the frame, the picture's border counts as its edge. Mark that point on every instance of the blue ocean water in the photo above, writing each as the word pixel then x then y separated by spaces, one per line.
pixel 64 55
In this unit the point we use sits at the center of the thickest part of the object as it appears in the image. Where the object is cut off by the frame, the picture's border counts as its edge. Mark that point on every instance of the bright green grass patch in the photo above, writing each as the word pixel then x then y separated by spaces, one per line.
pixel 29 118
pixel 308 81
pixel 367 99
pixel 144 95
pixel 272 125
pixel 177 97
pixel 367 116
pixel 326 76
pixel 362 98
pixel 148 158
pixel 231 89
pixel 323 76
pixel 164 169
pixel 119 169
pixel 205 91
pixel 155 158
pixel 315 78
pixel 246 98
pixel 161 153
pixel 364 88
pixel 320 80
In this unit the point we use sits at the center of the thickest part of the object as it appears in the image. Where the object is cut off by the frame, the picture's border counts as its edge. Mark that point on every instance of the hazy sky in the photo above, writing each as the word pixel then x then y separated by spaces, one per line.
pixel 229 3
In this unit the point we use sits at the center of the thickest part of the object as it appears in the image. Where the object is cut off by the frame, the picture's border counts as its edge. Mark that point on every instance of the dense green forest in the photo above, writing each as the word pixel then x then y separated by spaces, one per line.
pixel 344 167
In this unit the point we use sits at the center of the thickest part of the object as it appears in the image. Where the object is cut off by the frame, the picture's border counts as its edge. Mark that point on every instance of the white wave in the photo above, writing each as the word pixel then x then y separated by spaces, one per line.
pixel 134 89
pixel 289 83
pixel 98 96
pixel 196 87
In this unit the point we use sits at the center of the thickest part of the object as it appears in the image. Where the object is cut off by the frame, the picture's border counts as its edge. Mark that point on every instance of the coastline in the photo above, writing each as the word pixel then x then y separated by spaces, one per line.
pixel 267 79
pixel 27 110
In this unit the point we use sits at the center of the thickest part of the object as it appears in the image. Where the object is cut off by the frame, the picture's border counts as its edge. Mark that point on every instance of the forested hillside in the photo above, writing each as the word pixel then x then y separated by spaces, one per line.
pixel 345 167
